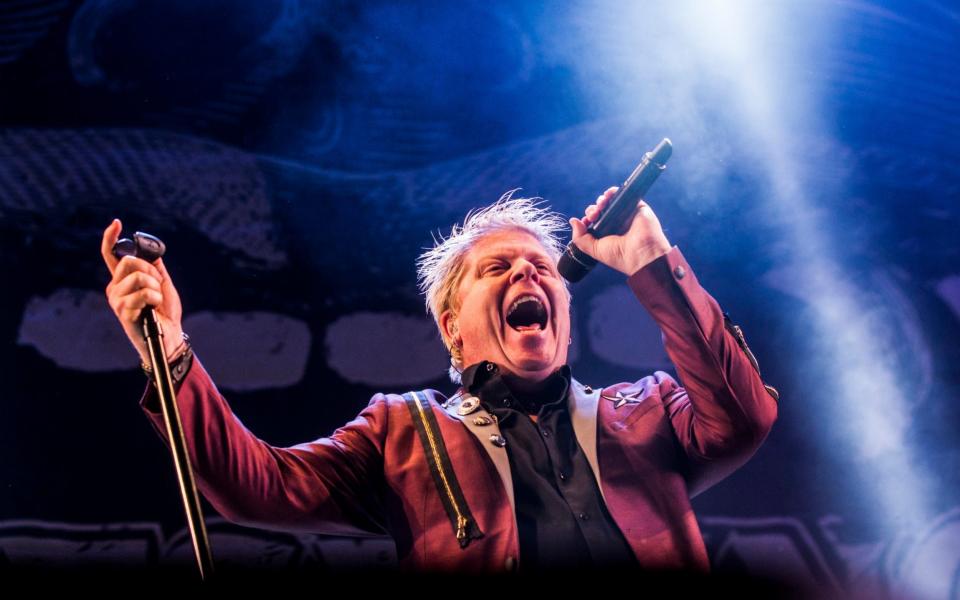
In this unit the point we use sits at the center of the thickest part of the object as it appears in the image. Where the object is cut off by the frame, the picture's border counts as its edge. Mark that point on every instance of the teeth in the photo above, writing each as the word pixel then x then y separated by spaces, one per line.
pixel 522 299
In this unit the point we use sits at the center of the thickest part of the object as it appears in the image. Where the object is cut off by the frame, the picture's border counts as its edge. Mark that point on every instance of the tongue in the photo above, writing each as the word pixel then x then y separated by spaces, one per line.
pixel 534 327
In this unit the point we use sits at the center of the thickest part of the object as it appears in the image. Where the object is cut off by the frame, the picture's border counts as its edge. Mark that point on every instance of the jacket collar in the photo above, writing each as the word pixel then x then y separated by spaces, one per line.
pixel 582 402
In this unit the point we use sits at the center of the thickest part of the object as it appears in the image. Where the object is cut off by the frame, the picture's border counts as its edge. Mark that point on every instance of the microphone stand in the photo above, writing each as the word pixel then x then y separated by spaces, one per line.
pixel 153 335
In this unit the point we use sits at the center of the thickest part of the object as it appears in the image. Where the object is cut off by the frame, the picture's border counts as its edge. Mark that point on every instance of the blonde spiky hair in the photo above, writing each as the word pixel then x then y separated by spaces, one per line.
pixel 440 268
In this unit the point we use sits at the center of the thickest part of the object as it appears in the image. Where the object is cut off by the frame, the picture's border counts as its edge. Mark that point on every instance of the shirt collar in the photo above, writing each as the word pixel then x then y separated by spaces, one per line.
pixel 484 380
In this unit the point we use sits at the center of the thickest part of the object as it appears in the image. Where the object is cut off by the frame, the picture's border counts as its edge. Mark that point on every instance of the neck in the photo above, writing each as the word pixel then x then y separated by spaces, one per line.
pixel 527 386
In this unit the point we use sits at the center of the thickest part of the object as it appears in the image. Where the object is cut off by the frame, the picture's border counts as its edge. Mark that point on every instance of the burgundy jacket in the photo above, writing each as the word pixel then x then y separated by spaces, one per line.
pixel 652 445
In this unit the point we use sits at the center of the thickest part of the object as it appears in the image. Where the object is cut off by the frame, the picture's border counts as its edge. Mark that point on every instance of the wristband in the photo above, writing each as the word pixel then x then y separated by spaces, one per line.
pixel 179 362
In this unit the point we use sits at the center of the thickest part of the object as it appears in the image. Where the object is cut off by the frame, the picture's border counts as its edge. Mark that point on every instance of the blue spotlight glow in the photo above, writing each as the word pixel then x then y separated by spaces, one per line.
pixel 717 74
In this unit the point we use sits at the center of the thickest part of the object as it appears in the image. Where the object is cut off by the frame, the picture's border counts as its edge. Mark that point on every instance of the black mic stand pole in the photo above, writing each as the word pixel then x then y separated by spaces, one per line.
pixel 153 335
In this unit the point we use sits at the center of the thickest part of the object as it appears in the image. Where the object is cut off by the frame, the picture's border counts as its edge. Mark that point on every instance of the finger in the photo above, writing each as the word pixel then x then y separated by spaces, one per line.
pixel 162 268
pixel 164 275
pixel 586 243
pixel 579 233
pixel 110 236
pixel 578 227
pixel 606 197
pixel 131 305
pixel 131 264
pixel 133 282
pixel 591 213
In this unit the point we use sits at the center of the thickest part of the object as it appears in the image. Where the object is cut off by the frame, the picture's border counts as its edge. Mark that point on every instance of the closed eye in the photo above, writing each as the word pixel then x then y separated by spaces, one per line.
pixel 494 268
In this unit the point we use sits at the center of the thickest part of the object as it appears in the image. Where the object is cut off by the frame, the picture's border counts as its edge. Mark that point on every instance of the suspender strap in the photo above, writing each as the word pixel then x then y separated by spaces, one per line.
pixel 464 525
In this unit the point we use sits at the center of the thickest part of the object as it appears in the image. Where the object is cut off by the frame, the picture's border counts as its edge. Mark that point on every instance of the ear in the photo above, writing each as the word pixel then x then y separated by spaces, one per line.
pixel 448 323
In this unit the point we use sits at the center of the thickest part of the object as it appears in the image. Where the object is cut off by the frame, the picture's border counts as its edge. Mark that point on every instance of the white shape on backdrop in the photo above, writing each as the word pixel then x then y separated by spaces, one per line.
pixel 76 330
pixel 242 351
pixel 246 351
pixel 385 349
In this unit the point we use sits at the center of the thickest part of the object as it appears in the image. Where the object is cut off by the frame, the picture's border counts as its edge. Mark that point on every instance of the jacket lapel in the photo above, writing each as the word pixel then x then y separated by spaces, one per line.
pixel 583 404
pixel 483 433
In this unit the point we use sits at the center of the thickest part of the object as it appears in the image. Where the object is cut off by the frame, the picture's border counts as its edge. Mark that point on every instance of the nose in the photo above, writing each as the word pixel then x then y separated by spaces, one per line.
pixel 525 269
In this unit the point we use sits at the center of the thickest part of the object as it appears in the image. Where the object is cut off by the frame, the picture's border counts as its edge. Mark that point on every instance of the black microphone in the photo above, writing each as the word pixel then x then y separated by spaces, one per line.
pixel 143 245
pixel 616 217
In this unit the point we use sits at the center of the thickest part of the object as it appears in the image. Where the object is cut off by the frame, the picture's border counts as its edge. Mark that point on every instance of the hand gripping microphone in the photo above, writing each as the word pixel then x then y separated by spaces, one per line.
pixel 616 217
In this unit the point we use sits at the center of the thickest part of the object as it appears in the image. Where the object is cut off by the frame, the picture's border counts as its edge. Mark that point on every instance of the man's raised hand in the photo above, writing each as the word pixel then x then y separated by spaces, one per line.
pixel 135 284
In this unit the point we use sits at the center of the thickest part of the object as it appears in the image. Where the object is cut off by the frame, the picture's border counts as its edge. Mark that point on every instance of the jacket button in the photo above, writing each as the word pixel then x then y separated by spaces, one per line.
pixel 510 564
pixel 679 272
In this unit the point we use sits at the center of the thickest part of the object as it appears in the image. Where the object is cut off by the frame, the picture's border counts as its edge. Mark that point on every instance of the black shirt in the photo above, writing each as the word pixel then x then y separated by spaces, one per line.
pixel 561 515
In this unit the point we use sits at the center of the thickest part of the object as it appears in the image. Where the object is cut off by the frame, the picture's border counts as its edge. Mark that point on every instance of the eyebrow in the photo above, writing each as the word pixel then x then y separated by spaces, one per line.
pixel 505 254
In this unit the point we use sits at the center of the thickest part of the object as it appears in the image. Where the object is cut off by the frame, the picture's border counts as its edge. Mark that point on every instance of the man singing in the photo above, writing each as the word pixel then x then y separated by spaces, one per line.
pixel 523 468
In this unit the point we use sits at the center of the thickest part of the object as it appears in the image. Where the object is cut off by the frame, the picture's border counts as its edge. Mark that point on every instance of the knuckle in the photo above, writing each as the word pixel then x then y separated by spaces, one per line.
pixel 145 280
pixel 123 267
pixel 132 263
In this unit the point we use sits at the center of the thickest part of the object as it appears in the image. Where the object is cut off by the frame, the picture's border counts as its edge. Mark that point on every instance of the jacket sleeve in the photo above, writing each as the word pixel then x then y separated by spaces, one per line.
pixel 723 411
pixel 332 485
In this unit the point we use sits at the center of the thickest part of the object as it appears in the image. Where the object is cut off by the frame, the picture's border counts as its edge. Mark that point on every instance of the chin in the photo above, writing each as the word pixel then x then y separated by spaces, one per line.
pixel 534 365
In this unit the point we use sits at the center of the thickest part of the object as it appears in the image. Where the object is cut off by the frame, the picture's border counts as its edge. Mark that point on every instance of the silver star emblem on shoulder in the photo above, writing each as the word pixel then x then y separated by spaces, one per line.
pixel 619 399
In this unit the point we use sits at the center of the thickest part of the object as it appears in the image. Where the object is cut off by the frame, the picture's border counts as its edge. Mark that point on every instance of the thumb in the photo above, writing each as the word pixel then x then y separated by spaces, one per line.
pixel 110 236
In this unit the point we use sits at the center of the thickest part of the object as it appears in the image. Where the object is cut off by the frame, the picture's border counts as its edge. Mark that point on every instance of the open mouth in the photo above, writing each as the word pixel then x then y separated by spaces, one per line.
pixel 527 313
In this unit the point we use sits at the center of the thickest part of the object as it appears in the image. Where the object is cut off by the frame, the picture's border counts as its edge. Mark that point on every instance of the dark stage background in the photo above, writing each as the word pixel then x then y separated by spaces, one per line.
pixel 297 156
